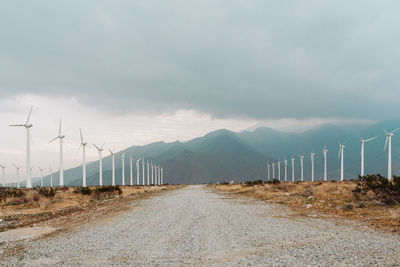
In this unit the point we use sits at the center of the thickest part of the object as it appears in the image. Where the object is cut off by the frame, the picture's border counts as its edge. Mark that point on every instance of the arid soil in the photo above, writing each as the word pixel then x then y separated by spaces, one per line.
pixel 323 199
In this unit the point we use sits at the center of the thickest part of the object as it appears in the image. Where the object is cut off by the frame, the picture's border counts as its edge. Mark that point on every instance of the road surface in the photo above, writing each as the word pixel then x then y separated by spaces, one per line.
pixel 195 226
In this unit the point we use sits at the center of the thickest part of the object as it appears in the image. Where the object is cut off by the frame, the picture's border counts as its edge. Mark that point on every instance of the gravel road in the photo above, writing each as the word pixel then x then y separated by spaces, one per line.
pixel 195 226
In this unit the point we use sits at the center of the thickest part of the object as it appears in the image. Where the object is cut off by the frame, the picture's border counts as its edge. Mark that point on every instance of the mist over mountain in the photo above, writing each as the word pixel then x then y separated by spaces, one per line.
pixel 224 155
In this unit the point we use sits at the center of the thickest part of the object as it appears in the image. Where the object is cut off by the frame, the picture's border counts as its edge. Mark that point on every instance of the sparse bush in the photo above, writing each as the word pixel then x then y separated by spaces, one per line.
pixel 85 190
pixel 253 183
pixel 386 191
pixel 8 192
pixel 348 207
pixel 36 197
pixel 17 201
pixel 107 190
pixel 276 181
pixel 47 192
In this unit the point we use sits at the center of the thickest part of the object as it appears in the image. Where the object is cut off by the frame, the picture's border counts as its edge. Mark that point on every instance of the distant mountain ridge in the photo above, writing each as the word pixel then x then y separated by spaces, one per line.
pixel 223 155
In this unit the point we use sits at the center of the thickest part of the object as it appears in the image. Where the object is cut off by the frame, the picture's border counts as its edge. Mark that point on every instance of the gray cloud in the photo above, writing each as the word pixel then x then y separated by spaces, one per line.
pixel 259 59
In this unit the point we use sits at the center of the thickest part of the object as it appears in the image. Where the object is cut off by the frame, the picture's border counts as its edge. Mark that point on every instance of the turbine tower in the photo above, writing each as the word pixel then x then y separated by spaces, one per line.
pixel 152 173
pixel 292 159
pixel 279 170
pixel 3 177
pixel 325 151
pixel 137 171
pixel 301 168
pixel 388 144
pixel 341 156
pixel 312 154
pixel 268 171
pixel 83 145
pixel 148 173
pixel 100 149
pixel 273 170
pixel 51 177
pixel 143 171
pixel 112 167
pixel 41 176
pixel 27 126
pixel 362 154
pixel 61 137
pixel 162 176
pixel 17 168
pixel 123 168
pixel 131 170
pixel 285 162
pixel 156 174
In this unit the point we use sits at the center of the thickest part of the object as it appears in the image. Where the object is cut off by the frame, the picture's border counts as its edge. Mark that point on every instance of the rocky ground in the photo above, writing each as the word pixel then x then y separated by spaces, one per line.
pixel 196 226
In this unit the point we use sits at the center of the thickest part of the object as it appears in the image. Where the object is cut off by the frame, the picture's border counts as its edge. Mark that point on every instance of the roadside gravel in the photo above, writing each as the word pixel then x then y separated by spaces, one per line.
pixel 195 226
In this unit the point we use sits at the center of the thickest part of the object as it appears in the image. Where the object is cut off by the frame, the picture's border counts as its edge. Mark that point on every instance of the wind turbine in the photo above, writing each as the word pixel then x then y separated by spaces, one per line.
pixel 51 177
pixel 273 170
pixel 301 168
pixel 83 145
pixel 143 171
pixel 148 173
pixel 362 153
pixel 17 168
pixel 137 171
pixel 112 167
pixel 285 162
pixel 27 126
pixel 41 176
pixel 3 180
pixel 152 173
pixel 388 143
pixel 325 151
pixel 292 159
pixel 61 137
pixel 279 170
pixel 156 175
pixel 268 171
pixel 341 156
pixel 312 154
pixel 123 168
pixel 100 149
pixel 131 170
pixel 162 176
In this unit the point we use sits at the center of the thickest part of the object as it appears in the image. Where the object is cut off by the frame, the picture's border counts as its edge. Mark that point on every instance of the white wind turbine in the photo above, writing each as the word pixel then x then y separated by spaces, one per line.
pixel 100 149
pixel 162 176
pixel 41 176
pixel 137 171
pixel 123 168
pixel 362 153
pixel 83 145
pixel 273 170
pixel 61 137
pixel 388 144
pixel 268 171
pixel 3 177
pixel 341 156
pixel 131 169
pixel 27 126
pixel 148 173
pixel 17 168
pixel 312 154
pixel 51 177
pixel 301 168
pixel 292 159
pixel 279 170
pixel 152 173
pixel 325 151
pixel 112 167
pixel 143 171
pixel 156 175
pixel 285 162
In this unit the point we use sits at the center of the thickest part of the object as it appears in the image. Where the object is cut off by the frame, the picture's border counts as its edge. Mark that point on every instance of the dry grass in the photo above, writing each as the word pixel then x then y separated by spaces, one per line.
pixel 334 199
pixel 68 206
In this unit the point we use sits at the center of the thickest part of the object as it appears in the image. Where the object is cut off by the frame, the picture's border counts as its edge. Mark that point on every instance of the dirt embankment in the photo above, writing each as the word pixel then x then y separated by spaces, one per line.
pixel 63 208
pixel 325 199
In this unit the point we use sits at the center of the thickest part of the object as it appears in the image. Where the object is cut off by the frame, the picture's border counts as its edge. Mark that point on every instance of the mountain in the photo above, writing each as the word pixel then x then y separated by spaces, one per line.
pixel 224 155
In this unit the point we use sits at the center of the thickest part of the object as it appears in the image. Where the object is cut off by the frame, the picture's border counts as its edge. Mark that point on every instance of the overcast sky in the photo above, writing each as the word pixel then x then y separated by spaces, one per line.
pixel 135 72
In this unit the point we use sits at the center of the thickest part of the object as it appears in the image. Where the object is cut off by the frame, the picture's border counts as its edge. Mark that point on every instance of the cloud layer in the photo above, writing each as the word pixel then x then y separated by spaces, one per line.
pixel 256 59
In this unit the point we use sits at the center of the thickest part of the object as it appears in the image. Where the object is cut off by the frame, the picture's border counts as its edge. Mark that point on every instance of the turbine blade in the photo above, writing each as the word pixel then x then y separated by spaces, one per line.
pixel 396 130
pixel 387 137
pixel 80 131
pixel 59 129
pixel 53 139
pixel 29 115
pixel 17 125
pixel 78 149
pixel 96 147
pixel 370 139
pixel 110 151
pixel 385 131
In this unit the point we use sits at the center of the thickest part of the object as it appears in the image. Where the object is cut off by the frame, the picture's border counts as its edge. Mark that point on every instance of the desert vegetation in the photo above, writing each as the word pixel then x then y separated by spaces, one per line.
pixel 371 200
